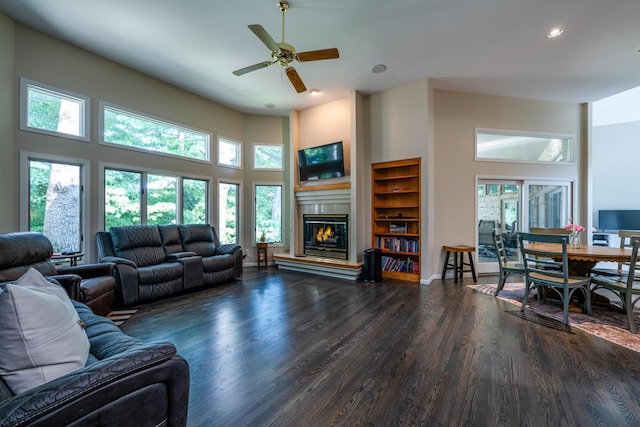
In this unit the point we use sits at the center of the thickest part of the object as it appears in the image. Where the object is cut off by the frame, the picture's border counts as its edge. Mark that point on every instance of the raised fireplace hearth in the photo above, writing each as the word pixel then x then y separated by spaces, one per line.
pixel 326 235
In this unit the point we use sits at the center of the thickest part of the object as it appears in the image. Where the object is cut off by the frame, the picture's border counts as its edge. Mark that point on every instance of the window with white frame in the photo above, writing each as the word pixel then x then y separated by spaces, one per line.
pixel 268 156
pixel 268 212
pixel 228 212
pixel 133 130
pixel 229 153
pixel 52 111
pixel 523 147
pixel 127 203
pixel 55 201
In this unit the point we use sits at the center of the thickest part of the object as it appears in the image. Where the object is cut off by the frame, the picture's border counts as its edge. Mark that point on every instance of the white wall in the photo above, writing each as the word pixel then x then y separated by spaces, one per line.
pixel 615 150
pixel 456 115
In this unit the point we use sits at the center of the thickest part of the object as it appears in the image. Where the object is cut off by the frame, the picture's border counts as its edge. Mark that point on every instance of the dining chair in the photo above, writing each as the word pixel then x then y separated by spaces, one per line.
pixel 543 230
pixel 507 268
pixel 626 237
pixel 549 269
pixel 626 286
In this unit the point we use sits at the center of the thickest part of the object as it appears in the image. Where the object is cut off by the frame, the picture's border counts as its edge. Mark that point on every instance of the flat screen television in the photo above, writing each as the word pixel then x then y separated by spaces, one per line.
pixel 322 162
pixel 618 220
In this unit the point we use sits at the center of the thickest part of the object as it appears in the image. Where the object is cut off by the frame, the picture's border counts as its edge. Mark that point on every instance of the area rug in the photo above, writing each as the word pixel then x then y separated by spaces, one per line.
pixel 120 316
pixel 604 323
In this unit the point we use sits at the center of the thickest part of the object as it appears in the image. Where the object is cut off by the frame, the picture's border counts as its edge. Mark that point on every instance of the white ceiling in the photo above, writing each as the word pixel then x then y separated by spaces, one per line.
pixel 494 47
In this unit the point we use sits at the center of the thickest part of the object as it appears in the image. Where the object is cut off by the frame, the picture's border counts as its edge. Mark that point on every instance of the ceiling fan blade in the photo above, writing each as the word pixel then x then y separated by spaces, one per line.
pixel 264 37
pixel 295 79
pixel 315 55
pixel 251 68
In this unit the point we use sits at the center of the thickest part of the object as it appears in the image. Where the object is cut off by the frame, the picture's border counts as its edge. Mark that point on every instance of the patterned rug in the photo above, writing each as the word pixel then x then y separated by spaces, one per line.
pixel 120 316
pixel 607 324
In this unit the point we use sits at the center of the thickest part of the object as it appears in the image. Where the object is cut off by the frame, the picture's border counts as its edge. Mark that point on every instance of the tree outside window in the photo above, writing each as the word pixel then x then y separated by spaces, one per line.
pixel 268 212
pixel 228 212
pixel 54 203
pixel 268 156
pixel 229 153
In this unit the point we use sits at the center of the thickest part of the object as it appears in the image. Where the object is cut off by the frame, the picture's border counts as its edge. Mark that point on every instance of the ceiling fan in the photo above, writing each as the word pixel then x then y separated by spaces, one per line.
pixel 284 54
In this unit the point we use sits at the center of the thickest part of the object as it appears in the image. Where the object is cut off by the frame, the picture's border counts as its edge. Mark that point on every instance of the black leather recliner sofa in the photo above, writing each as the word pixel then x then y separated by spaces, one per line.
pixel 153 261
pixel 124 382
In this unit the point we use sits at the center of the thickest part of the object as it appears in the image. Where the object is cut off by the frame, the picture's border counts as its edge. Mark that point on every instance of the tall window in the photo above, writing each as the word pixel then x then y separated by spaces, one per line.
pixel 137 131
pixel 268 157
pixel 162 199
pixel 52 111
pixel 229 153
pixel 132 197
pixel 122 198
pixel 55 195
pixel 268 212
pixel 194 201
pixel 228 212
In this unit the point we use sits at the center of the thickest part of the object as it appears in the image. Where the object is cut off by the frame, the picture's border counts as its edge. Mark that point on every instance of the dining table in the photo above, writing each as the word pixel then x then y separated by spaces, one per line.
pixel 583 258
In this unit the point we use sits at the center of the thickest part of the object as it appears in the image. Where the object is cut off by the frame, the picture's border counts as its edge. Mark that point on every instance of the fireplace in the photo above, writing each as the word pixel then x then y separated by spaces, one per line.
pixel 326 235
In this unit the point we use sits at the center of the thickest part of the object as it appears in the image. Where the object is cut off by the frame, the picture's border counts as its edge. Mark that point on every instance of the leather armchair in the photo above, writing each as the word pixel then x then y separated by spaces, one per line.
pixel 92 284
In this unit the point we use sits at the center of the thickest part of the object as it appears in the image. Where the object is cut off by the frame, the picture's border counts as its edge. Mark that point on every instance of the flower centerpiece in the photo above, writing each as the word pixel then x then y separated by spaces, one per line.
pixel 574 234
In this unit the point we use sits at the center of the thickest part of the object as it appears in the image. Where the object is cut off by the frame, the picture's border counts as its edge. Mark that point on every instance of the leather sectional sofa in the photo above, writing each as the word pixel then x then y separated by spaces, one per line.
pixel 153 261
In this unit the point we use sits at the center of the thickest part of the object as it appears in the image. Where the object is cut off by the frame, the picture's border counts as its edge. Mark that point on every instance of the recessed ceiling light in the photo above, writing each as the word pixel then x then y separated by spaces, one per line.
pixel 380 68
pixel 555 33
pixel 270 105
pixel 314 91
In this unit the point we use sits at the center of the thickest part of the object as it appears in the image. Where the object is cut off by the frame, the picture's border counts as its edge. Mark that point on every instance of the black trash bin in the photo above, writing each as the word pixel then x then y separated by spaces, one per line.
pixel 372 265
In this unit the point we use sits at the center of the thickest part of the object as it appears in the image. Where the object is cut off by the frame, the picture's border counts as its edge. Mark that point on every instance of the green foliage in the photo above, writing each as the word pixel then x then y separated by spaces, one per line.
pixel 269 212
pixel 122 198
pixel 194 201
pixel 39 174
pixel 44 110
pixel 268 157
pixel 128 129
pixel 228 200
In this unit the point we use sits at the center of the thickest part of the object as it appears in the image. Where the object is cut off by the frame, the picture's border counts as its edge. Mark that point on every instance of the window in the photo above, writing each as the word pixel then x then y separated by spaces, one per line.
pixel 54 200
pixel 122 198
pixel 162 199
pixel 268 212
pixel 135 197
pixel 48 110
pixel 135 131
pixel 268 157
pixel 512 146
pixel 229 153
pixel 194 201
pixel 228 212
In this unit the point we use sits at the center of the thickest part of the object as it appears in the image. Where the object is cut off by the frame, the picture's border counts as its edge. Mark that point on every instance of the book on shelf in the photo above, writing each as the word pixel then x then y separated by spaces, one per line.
pixel 400 265
pixel 397 244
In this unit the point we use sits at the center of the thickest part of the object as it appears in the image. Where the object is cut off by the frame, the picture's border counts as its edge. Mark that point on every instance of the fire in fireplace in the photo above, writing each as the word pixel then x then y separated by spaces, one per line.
pixel 326 235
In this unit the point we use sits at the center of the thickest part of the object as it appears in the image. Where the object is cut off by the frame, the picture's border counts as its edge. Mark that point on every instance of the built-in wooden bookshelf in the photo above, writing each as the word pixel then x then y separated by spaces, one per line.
pixel 395 188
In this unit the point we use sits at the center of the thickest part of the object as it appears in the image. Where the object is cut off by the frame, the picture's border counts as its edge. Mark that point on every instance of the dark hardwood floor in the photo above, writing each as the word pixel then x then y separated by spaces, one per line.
pixel 281 348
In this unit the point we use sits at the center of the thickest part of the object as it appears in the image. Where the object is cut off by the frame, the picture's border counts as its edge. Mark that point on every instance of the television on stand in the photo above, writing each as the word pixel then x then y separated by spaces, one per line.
pixel 322 162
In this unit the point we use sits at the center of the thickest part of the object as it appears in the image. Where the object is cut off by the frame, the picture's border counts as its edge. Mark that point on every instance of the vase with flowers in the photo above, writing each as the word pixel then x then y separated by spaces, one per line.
pixel 574 234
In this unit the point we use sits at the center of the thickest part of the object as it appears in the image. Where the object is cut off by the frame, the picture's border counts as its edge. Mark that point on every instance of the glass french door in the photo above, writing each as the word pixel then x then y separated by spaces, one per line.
pixel 510 206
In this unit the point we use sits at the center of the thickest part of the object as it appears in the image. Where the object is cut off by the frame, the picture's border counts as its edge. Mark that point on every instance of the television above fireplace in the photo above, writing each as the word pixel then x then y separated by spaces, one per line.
pixel 322 162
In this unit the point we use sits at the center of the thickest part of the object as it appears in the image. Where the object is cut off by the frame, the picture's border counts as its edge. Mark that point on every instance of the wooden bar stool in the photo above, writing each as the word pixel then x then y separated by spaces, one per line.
pixel 458 261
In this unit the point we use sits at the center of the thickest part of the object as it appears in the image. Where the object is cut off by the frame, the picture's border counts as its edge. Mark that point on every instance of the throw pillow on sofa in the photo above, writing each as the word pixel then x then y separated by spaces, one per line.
pixel 42 337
